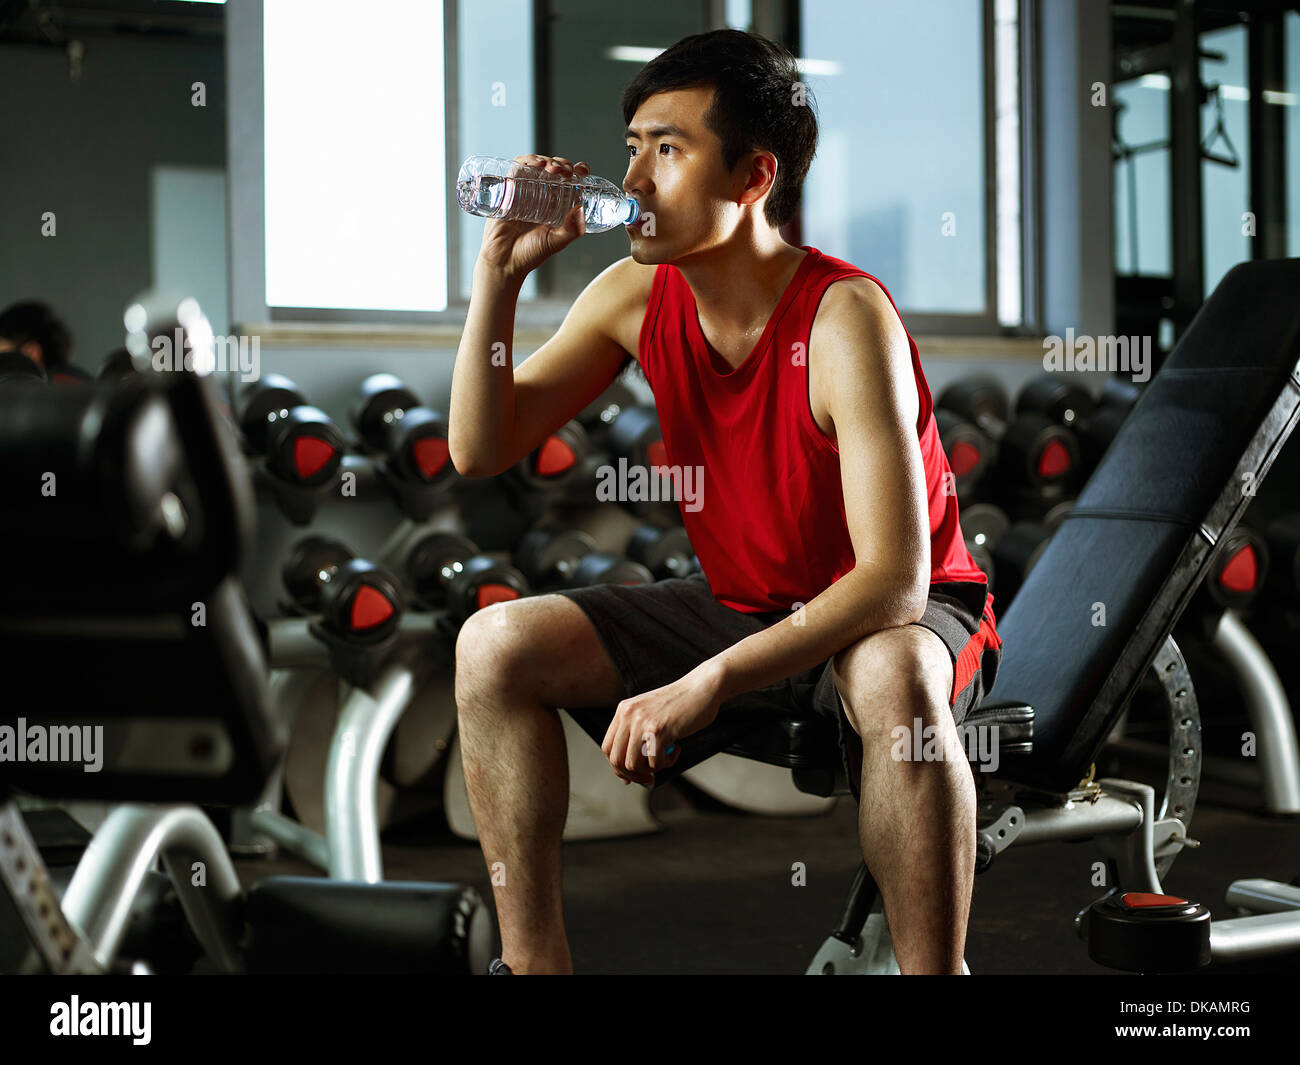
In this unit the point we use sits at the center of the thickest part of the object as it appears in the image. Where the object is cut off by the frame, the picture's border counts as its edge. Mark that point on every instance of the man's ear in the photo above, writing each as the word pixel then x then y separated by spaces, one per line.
pixel 33 351
pixel 760 176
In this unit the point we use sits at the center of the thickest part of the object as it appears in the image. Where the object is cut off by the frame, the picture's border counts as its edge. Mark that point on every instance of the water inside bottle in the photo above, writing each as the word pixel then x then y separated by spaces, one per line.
pixel 526 199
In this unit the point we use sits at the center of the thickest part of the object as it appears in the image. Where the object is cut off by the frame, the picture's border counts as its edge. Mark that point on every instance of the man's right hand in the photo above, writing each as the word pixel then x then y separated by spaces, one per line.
pixel 512 250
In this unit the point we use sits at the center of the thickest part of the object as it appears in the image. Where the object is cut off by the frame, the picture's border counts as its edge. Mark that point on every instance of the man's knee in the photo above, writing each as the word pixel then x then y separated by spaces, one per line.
pixel 490 651
pixel 895 677
pixel 542 648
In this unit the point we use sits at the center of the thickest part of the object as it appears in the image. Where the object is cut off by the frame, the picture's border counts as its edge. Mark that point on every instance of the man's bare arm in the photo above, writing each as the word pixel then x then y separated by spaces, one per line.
pixel 863 355
pixel 498 413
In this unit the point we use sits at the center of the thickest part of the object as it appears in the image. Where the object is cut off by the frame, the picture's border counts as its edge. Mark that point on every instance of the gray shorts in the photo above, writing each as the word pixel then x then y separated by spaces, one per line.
pixel 657 633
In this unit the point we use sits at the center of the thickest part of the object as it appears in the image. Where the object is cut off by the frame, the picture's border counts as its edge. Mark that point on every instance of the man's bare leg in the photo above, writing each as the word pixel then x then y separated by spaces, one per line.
pixel 516 662
pixel 916 819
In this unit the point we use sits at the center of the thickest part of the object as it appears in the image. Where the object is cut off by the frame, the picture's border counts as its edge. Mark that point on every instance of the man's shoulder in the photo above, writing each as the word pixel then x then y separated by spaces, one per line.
pixel 624 292
pixel 621 287
pixel 855 301
pixel 857 332
pixel 630 279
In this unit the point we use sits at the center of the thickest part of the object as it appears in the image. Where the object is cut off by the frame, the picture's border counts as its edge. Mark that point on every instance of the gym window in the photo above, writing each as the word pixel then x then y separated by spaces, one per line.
pixel 940 222
pixel 918 175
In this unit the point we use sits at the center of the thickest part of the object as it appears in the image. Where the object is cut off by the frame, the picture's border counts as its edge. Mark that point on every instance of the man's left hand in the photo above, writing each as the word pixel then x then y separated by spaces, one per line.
pixel 646 726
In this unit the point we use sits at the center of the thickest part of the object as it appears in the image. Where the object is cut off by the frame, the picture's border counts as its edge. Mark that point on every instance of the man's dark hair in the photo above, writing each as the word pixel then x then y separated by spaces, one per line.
pixel 23 322
pixel 759 101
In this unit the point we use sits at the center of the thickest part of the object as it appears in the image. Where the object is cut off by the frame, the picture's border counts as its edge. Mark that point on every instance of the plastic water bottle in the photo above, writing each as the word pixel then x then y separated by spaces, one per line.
pixel 502 188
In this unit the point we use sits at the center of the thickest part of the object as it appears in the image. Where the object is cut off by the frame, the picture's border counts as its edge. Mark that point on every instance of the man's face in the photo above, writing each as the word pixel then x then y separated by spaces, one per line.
pixel 675 172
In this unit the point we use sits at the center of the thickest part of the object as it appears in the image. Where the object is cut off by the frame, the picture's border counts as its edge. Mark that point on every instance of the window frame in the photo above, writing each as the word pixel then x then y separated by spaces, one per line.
pixel 547 308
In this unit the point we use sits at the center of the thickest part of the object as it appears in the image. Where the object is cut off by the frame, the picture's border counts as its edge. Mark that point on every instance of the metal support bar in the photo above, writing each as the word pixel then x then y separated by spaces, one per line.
pixel 1186 192
pixel 1266 67
pixel 1263 896
pixel 1108 815
pixel 1244 939
pixel 291 644
pixel 293 837
pixel 1134 853
pixel 1269 711
pixel 366 720
pixel 29 907
pixel 120 855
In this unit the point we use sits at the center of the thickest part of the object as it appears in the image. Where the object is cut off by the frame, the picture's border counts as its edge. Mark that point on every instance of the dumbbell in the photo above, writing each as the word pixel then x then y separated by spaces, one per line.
pixel 1058 399
pixel 553 461
pixel 356 599
pixel 300 446
pixel 596 420
pixel 448 572
pixel 982 526
pixel 636 440
pixel 568 558
pixel 968 449
pixel 300 442
pixel 1240 569
pixel 665 552
pixel 1237 576
pixel 17 369
pixel 1036 457
pixel 358 603
pixel 582 489
pixel 497 511
pixel 1095 422
pixel 391 421
pixel 634 435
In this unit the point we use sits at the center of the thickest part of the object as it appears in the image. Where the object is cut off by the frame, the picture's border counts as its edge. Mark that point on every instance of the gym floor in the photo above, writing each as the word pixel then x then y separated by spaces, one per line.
pixel 711 894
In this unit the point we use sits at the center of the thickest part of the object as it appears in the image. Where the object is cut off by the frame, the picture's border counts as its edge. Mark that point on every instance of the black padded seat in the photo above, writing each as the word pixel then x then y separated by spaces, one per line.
pixel 298 924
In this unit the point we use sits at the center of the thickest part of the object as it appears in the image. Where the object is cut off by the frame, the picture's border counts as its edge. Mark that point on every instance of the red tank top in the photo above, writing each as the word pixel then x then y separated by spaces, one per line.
pixel 769 525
